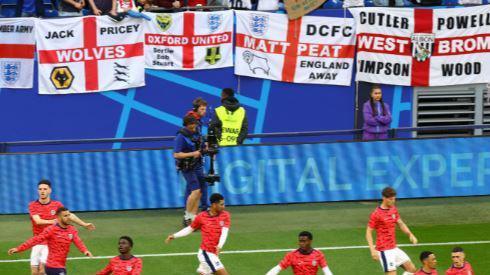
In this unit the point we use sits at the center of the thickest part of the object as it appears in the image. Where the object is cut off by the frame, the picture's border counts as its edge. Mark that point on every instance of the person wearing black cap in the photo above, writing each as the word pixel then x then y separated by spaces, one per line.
pixel 230 121
pixel 187 153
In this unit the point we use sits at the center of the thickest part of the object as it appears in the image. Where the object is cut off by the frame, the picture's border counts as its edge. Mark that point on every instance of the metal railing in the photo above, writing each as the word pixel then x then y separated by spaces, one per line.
pixel 355 134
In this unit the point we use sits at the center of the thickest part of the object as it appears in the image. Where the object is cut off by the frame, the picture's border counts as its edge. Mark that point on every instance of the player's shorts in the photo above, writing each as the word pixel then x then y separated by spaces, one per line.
pixel 392 258
pixel 55 271
pixel 209 263
pixel 39 254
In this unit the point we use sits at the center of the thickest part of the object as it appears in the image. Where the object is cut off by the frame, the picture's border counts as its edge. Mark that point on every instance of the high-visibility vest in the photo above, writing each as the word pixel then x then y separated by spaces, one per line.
pixel 231 125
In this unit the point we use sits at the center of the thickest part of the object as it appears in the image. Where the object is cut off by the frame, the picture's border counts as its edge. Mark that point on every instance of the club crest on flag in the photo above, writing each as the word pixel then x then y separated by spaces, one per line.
pixel 214 21
pixel 61 77
pixel 212 55
pixel 422 45
pixel 164 21
pixel 10 71
pixel 259 23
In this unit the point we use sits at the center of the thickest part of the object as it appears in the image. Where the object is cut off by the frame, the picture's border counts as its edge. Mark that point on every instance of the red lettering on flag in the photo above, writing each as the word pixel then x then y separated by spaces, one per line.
pixel 291 56
pixel 421 70
pixel 17 51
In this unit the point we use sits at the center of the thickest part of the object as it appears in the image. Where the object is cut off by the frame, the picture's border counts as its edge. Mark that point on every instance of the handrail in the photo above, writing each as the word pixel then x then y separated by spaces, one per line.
pixel 5 145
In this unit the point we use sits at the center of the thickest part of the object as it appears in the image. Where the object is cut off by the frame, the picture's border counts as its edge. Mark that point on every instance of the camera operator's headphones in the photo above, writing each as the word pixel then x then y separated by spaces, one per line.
pixel 195 103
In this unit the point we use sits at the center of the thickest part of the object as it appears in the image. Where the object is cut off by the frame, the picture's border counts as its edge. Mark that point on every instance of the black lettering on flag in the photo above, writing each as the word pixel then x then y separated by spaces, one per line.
pixel 458 69
pixel 385 68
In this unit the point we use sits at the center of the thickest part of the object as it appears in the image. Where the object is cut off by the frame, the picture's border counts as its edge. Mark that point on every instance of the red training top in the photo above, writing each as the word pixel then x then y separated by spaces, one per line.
pixel 304 264
pixel 211 227
pixel 118 266
pixel 45 211
pixel 466 269
pixel 384 222
pixel 59 240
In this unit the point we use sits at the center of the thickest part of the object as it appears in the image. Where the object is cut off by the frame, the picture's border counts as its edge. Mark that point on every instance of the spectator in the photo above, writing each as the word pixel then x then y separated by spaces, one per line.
pixel 29 8
pixel 71 8
pixel 102 7
pixel 230 120
pixel 377 116
pixel 168 4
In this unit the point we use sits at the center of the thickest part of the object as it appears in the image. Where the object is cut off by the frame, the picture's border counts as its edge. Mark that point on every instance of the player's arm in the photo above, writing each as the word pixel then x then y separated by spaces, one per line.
pixel 222 239
pixel 404 228
pixel 275 270
pixel 37 219
pixel 182 233
pixel 106 271
pixel 369 239
pixel 80 245
pixel 32 242
pixel 326 271
pixel 74 218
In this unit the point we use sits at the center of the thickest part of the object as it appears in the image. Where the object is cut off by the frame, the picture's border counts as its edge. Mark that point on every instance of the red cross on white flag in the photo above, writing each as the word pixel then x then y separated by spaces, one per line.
pixel 90 54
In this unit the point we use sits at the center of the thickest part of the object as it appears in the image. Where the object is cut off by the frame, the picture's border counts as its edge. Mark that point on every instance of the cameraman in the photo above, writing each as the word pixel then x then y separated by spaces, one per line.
pixel 187 152
pixel 199 108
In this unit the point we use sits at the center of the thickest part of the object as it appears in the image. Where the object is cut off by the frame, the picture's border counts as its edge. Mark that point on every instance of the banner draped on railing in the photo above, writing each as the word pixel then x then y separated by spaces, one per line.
pixel 116 180
pixel 189 40
pixel 312 49
pixel 89 54
pixel 17 48
pixel 423 47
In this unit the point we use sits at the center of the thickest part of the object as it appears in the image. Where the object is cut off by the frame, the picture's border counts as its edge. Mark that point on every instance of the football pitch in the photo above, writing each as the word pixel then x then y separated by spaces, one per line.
pixel 260 235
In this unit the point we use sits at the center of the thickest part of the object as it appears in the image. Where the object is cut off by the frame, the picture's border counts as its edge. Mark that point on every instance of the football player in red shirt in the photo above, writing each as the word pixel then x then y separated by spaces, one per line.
pixel 43 214
pixel 383 220
pixel 214 225
pixel 59 236
pixel 429 263
pixel 125 263
pixel 460 266
pixel 305 260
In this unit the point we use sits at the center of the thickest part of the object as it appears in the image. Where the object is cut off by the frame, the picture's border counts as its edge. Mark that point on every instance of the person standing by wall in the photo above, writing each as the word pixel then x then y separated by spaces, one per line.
pixel 230 120
pixel 187 153
pixel 377 116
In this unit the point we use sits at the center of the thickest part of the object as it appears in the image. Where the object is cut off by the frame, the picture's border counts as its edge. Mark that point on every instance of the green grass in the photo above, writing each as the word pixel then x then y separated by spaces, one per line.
pixel 272 227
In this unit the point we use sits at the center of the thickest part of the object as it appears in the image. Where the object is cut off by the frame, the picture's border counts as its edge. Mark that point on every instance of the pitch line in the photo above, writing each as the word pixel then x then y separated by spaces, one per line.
pixel 261 251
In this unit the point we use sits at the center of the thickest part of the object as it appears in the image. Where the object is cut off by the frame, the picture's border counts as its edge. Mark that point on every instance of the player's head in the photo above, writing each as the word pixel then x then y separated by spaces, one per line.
pixel 217 202
pixel 44 189
pixel 190 123
pixel 376 93
pixel 227 92
pixel 428 259
pixel 304 240
pixel 458 256
pixel 125 244
pixel 199 106
pixel 389 196
pixel 63 215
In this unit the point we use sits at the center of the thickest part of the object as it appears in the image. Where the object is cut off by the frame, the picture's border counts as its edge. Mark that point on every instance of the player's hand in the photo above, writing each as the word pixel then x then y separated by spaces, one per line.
pixel 196 154
pixel 413 239
pixel 12 251
pixel 176 4
pixel 218 250
pixel 169 238
pixel 375 255
pixel 89 226
pixel 88 254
